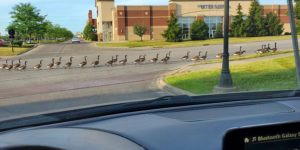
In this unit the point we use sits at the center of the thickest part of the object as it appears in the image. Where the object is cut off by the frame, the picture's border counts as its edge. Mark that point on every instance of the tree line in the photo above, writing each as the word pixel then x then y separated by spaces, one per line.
pixel 29 24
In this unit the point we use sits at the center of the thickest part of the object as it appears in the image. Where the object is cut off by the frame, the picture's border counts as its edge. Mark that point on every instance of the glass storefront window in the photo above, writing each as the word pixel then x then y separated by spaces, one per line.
pixel 185 24
pixel 212 22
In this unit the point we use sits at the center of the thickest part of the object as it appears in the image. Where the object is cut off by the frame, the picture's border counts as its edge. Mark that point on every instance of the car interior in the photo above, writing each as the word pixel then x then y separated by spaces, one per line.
pixel 180 122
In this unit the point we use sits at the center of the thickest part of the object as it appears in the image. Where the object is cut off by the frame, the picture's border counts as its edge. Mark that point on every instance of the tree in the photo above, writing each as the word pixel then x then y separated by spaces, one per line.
pixel 273 24
pixel 89 32
pixel 199 30
pixel 173 32
pixel 139 30
pixel 297 9
pixel 219 31
pixel 238 23
pixel 26 20
pixel 255 21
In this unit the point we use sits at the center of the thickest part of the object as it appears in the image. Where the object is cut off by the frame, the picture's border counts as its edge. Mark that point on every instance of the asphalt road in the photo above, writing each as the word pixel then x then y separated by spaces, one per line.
pixel 34 91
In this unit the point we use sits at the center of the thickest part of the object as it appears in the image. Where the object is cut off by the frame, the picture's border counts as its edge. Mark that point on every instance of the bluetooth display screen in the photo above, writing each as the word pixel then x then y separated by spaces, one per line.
pixel 271 137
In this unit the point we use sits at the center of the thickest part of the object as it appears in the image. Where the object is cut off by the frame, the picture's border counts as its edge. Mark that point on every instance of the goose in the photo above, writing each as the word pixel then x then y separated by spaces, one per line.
pixel 82 64
pixel 57 64
pixel 138 61
pixel 96 63
pixel 3 66
pixel 275 48
pixel 197 58
pixel 116 60
pixel 110 62
pixel 69 64
pixel 9 67
pixel 51 65
pixel 143 59
pixel 38 66
pixel 155 59
pixel 17 64
pixel 204 57
pixel 23 67
pixel 240 52
pixel 186 57
pixel 260 51
pixel 165 60
pixel 124 61
pixel 268 48
pixel 168 57
pixel 219 55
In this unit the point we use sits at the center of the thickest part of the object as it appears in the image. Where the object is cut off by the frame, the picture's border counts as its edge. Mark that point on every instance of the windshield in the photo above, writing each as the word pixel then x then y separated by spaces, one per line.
pixel 67 54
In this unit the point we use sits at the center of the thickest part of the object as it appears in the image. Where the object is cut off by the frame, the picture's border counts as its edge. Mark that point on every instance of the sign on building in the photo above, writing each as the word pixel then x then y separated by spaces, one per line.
pixel 211 6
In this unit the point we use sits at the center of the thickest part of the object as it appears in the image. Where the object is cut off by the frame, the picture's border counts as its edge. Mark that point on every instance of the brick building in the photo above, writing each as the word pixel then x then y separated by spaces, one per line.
pixel 91 20
pixel 115 23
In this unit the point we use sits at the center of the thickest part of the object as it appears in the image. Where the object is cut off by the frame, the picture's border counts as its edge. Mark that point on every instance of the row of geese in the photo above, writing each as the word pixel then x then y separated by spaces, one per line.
pixel 114 60
pixel 264 49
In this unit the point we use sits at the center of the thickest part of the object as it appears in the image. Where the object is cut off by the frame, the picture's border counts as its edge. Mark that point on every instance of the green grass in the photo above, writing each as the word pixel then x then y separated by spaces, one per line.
pixel 6 51
pixel 273 74
pixel 162 44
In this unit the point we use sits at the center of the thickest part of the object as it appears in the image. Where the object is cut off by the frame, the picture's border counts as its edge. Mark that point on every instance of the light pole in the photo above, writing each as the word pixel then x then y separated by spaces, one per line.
pixel 295 40
pixel 225 84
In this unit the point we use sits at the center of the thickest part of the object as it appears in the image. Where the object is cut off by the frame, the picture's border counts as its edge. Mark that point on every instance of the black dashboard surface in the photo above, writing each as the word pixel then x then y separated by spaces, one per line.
pixel 189 127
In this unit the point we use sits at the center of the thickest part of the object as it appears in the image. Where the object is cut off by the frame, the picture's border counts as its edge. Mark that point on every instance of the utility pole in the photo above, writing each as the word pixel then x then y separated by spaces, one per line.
pixel 295 40
pixel 225 84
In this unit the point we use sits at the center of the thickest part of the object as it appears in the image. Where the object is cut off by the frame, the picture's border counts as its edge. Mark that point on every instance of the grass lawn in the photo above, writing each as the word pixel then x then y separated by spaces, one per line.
pixel 273 74
pixel 6 51
pixel 162 44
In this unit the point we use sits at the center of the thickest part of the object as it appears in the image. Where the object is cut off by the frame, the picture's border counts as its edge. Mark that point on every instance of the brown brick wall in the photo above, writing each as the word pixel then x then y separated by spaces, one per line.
pixel 280 10
pixel 158 31
pixel 149 16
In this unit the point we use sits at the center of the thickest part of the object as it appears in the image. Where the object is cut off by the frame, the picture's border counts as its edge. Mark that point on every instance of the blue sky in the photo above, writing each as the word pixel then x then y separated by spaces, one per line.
pixel 73 13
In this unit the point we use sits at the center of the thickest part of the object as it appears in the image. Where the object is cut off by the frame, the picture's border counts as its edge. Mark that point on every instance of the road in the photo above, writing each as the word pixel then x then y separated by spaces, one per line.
pixel 34 91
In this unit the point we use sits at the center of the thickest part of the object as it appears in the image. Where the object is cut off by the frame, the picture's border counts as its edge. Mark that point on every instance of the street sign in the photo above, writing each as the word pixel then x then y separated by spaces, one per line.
pixel 11 33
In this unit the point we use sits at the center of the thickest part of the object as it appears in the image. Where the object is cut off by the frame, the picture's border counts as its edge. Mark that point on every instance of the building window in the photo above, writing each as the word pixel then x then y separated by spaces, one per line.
pixel 212 22
pixel 185 24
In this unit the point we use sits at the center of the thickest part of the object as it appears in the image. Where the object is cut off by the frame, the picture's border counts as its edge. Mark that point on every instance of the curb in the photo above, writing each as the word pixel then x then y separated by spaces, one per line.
pixel 29 49
pixel 162 85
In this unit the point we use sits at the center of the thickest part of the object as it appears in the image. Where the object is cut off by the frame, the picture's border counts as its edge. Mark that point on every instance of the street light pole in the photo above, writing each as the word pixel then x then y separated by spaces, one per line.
pixel 295 40
pixel 225 84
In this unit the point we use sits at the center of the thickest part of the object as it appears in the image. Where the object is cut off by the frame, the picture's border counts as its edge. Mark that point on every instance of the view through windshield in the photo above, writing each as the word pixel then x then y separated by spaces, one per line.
pixel 68 54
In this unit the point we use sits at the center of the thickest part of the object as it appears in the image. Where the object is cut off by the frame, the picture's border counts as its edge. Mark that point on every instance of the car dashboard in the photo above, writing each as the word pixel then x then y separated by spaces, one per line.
pixel 178 128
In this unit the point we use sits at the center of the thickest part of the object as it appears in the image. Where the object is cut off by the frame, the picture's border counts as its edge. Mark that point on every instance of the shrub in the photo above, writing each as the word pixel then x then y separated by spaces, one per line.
pixel 139 30
pixel 199 30
pixel 174 32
